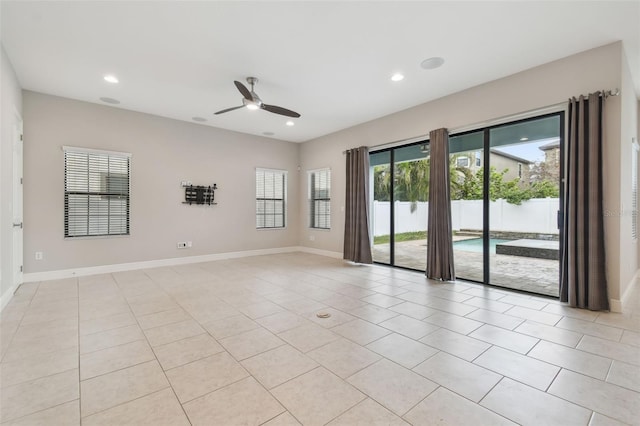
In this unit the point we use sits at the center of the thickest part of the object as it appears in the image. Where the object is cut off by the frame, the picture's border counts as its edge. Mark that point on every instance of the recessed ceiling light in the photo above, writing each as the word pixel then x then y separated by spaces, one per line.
pixel 199 119
pixel 432 63
pixel 290 123
pixel 397 77
pixel 110 100
pixel 524 139
pixel 268 133
pixel 111 78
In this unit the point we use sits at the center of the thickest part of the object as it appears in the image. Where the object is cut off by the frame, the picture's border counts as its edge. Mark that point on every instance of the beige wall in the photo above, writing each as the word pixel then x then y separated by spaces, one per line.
pixel 537 88
pixel 164 153
pixel 11 110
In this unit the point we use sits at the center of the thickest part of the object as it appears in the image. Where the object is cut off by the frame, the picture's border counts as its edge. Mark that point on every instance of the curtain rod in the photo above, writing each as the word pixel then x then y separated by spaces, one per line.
pixel 398 142
pixel 539 111
pixel 606 93
pixel 614 92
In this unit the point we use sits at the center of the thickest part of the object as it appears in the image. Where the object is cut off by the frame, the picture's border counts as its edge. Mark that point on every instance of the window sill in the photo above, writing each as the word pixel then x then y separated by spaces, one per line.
pixel 96 237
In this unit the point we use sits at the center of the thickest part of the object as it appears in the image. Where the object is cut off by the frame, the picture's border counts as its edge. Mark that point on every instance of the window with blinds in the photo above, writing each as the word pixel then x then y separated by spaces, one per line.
pixel 96 193
pixel 320 199
pixel 271 192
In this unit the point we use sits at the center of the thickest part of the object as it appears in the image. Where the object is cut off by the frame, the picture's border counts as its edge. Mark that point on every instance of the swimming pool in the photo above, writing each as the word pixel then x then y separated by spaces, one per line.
pixel 475 245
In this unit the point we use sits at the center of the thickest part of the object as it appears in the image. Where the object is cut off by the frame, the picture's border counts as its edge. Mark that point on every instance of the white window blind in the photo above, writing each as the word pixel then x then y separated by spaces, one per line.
pixel 96 193
pixel 271 191
pixel 320 199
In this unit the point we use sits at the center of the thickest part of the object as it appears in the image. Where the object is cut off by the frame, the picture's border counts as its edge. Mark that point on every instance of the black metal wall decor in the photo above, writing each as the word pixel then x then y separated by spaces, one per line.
pixel 199 194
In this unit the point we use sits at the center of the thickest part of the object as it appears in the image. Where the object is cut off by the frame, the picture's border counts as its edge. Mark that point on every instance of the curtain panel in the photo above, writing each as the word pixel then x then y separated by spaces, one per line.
pixel 357 243
pixel 583 283
pixel 439 241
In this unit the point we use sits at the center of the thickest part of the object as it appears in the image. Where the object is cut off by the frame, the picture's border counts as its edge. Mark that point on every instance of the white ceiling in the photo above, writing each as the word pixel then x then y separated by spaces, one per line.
pixel 329 61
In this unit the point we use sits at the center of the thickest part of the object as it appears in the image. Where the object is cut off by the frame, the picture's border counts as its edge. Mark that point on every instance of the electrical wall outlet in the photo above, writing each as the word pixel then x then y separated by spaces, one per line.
pixel 39 255
pixel 189 244
pixel 182 245
pixel 312 238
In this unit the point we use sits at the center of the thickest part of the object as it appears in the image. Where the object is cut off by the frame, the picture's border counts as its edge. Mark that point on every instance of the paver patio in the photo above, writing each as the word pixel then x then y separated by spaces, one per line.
pixel 514 272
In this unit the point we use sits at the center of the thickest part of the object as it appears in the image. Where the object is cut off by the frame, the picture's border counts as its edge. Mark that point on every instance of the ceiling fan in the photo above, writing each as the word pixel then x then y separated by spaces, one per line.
pixel 251 100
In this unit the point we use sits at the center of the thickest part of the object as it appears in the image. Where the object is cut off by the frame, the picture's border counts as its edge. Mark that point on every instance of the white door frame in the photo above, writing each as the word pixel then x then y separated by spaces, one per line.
pixel 17 252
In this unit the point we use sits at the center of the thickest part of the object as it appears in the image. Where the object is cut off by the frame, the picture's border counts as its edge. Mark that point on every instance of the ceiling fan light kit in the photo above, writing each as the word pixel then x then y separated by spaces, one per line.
pixel 252 101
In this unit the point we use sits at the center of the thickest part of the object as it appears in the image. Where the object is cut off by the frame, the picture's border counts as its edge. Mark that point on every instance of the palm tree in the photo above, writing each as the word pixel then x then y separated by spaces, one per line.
pixel 381 182
pixel 412 180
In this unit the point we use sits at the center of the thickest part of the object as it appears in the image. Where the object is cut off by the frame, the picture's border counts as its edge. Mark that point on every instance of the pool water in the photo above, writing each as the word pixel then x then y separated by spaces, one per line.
pixel 475 245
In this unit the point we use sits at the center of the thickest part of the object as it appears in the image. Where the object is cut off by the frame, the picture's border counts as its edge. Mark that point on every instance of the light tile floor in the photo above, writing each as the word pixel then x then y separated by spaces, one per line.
pixel 238 342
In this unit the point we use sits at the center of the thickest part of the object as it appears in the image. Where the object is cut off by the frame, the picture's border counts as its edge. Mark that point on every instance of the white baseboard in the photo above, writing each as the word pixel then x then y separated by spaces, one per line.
pixel 106 269
pixel 327 253
pixel 616 305
pixel 7 295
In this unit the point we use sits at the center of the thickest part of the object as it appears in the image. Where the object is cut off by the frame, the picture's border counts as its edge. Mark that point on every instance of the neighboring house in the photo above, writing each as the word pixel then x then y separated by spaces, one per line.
pixel 517 167
pixel 551 169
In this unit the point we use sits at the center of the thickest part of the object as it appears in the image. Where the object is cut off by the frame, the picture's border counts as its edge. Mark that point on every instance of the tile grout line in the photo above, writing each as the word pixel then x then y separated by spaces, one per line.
pixel 492 388
pixel 546 390
pixel 575 403
pixel 126 402
pixel 276 416
pixel 103 331
pixel 224 350
pixel 113 346
pixel 19 323
pixel 8 422
pixel 215 390
pixel 79 350
pixel 164 372
pixel 154 355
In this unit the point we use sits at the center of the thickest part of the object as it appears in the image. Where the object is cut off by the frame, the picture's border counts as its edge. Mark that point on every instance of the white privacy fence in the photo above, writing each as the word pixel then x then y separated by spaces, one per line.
pixel 538 215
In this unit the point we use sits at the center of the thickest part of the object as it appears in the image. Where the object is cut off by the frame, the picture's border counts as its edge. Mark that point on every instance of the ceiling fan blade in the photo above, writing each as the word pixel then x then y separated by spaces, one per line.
pixel 243 89
pixel 280 110
pixel 228 109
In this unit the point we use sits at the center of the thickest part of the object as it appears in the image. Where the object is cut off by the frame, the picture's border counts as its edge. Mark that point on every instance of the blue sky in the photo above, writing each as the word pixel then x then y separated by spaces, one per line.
pixel 527 150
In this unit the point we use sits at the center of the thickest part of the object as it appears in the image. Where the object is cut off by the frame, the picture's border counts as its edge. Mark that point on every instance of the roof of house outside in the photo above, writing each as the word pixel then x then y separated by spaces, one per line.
pixel 512 157
pixel 550 145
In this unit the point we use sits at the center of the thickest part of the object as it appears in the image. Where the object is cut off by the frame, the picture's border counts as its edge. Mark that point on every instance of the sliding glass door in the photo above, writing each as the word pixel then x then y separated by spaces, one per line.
pixel 524 159
pixel 400 182
pixel 381 210
pixel 466 159
pixel 506 200
pixel 410 205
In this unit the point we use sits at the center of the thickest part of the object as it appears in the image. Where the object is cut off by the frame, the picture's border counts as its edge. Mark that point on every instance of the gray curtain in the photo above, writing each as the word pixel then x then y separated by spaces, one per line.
pixel 439 241
pixel 357 245
pixel 583 283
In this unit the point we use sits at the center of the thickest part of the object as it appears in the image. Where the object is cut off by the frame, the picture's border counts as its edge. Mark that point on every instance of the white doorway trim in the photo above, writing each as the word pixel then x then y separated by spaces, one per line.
pixel 14 235
pixel 17 236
